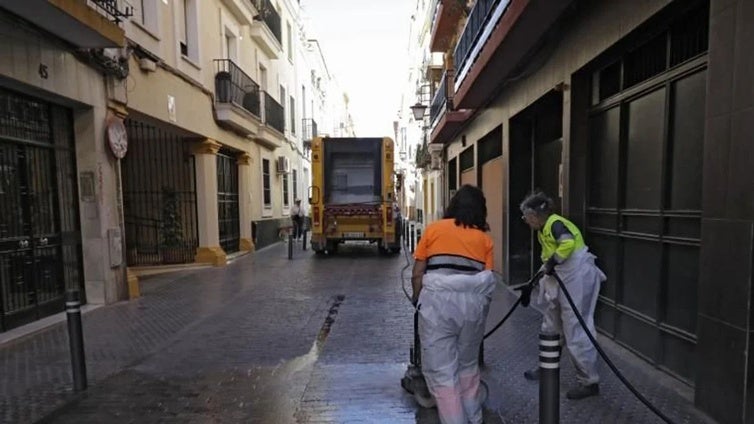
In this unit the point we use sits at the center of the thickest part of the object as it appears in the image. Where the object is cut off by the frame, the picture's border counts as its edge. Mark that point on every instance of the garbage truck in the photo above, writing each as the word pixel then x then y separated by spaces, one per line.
pixel 352 195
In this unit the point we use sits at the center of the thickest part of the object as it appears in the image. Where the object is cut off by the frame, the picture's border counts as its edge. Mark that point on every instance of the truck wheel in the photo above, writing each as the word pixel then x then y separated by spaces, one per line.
pixel 395 250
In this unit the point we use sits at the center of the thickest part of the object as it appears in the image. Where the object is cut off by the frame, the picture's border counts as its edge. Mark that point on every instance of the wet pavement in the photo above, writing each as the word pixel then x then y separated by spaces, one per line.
pixel 272 340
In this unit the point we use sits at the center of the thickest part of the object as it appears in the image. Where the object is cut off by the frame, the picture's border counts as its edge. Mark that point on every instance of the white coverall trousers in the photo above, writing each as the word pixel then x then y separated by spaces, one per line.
pixel 582 278
pixel 452 314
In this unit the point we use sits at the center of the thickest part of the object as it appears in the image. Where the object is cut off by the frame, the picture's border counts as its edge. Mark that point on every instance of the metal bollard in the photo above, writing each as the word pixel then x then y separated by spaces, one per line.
pixel 290 246
pixel 76 338
pixel 303 239
pixel 412 235
pixel 549 378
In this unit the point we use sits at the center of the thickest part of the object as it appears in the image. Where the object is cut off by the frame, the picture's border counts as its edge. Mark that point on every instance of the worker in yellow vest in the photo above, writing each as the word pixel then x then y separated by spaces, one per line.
pixel 564 252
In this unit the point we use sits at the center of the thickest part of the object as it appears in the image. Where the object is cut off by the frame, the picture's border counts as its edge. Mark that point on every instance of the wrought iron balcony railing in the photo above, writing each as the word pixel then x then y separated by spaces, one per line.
pixel 270 17
pixel 233 85
pixel 310 129
pixel 472 31
pixel 274 113
pixel 443 100
pixel 113 9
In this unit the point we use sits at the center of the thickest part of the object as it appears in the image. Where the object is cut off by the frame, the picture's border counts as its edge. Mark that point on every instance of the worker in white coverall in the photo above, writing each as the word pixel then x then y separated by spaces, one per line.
pixel 452 288
pixel 565 253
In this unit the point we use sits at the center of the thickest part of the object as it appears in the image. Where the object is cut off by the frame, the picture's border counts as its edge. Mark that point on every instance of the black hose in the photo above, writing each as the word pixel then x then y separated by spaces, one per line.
pixel 604 355
pixel 505 318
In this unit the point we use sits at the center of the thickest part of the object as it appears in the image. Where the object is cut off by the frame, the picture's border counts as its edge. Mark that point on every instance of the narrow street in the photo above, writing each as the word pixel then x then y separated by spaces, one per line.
pixel 268 340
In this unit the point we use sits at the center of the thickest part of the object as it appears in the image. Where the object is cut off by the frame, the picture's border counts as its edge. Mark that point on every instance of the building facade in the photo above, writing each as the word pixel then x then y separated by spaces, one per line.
pixel 136 134
pixel 633 117
pixel 58 177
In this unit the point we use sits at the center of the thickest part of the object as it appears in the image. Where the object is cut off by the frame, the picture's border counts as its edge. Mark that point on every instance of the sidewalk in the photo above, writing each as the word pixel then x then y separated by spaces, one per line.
pixel 272 340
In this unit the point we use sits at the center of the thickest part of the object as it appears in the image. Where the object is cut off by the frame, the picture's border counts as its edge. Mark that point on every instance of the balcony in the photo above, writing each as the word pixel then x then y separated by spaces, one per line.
pixel 498 35
pixel 310 131
pixel 243 10
pixel 433 65
pixel 237 100
pixel 272 133
pixel 447 16
pixel 443 100
pixel 84 24
pixel 444 120
pixel 266 29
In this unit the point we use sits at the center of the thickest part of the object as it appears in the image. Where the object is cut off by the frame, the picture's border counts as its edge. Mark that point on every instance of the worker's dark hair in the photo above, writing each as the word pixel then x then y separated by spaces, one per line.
pixel 538 202
pixel 469 208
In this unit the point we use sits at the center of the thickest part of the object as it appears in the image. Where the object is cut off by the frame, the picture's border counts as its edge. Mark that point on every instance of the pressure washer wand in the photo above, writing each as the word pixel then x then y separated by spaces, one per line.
pixel 604 356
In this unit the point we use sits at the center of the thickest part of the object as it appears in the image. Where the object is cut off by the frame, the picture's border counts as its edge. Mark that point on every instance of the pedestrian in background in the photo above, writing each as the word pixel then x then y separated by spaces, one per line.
pixel 565 253
pixel 297 216
pixel 452 286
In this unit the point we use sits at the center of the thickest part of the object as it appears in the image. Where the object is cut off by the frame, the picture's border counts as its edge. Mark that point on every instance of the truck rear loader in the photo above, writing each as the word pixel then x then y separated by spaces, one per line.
pixel 352 194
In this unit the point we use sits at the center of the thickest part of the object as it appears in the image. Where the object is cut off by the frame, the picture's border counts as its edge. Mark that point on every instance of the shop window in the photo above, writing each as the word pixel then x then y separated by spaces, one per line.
pixel 608 81
pixel 646 117
pixel 491 145
pixel 453 174
pixel 467 159
pixel 646 61
pixel 688 36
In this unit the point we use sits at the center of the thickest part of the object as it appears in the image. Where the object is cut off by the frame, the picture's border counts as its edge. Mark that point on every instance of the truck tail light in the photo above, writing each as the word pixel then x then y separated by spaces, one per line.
pixel 389 216
pixel 315 216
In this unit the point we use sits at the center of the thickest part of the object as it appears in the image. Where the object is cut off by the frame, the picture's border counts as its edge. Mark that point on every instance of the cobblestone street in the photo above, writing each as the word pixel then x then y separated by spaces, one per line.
pixel 268 340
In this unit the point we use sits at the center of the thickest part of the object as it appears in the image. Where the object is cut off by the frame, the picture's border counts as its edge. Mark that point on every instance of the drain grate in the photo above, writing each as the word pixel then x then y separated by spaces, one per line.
pixel 324 331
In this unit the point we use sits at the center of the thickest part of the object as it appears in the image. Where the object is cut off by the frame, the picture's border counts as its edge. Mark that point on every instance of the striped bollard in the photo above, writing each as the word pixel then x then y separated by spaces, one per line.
pixel 76 338
pixel 549 378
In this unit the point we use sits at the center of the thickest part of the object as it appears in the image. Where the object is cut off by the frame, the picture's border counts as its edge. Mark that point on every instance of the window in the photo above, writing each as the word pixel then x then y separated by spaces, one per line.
pixel 188 28
pixel 282 102
pixel 453 175
pixel 145 14
pixel 293 115
pixel 295 185
pixel 266 183
pixel 467 159
pixel 230 46
pixel 303 101
pixel 286 199
pixel 289 41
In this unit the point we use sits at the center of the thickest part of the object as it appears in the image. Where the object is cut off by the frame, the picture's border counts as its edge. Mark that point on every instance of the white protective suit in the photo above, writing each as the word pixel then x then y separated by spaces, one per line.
pixel 582 278
pixel 453 310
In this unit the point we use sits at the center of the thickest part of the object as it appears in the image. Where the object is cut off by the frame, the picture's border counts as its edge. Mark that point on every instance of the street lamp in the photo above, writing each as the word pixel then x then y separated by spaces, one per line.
pixel 418 111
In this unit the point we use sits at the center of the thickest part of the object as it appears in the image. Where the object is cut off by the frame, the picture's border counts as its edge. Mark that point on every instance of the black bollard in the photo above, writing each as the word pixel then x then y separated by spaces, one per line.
pixel 76 339
pixel 290 246
pixel 549 378
pixel 303 238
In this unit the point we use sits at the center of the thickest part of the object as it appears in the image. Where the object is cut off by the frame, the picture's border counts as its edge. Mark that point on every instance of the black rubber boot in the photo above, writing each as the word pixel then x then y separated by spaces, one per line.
pixel 581 392
pixel 532 374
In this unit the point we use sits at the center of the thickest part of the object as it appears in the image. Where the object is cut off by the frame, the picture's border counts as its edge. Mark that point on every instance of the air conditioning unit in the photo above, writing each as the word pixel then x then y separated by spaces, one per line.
pixel 283 165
